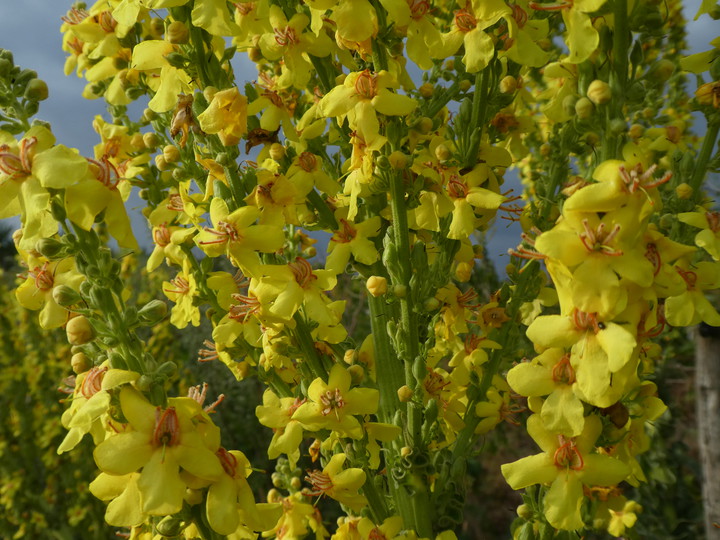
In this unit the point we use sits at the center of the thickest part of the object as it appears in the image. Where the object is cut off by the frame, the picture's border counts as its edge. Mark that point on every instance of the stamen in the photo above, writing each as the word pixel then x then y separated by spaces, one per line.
pixel 92 383
pixel 567 455
pixel 563 372
pixel 302 271
pixel 167 428
pixel 365 85
pixel 332 400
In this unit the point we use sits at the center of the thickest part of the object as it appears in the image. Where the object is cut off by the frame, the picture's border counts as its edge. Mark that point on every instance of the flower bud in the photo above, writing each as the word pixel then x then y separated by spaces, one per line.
pixel 425 125
pixel 176 59
pixel 599 92
pixel 404 393
pixel 426 90
pixel 377 285
pixel 636 131
pixel 178 32
pixel 255 55
pixel 524 511
pixel 50 248
pixel 80 363
pixel 209 93
pixel 65 296
pixel 151 140
pixel 442 152
pixel 508 84
pixel 36 90
pixel 684 191
pixel 400 291
pixel 171 153
pixel 617 126
pixel 295 483
pixel 660 71
pixel 277 151
pixel 465 85
pixel 79 331
pixel 170 525
pixel 274 496
pixel 463 271
pixel 349 357
pixel 406 451
pixel 431 304
pixel 357 373
pixel 161 163
pixel 584 108
pixel 398 160
pixel 152 312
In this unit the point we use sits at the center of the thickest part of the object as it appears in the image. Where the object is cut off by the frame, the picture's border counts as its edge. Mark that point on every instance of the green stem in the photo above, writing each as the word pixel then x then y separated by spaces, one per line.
pixel 388 366
pixel 618 77
pixel 477 118
pixel 375 499
pixel 703 158
pixel 307 344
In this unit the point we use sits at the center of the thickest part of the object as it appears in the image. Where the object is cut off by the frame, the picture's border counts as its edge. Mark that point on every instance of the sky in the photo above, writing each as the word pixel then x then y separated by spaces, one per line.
pixel 30 29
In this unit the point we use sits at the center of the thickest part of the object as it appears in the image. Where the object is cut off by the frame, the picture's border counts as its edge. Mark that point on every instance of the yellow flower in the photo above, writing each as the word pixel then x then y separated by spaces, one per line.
pixel 182 290
pixel 276 413
pixel 150 56
pixel 338 483
pixel 362 94
pixel 332 405
pixel 161 442
pixel 226 115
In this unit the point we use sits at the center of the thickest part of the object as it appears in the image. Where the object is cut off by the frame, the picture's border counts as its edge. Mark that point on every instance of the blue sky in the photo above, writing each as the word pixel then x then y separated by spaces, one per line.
pixel 30 29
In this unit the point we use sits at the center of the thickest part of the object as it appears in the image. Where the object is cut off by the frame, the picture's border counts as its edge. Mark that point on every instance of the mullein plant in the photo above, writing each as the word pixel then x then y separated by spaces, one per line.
pixel 389 126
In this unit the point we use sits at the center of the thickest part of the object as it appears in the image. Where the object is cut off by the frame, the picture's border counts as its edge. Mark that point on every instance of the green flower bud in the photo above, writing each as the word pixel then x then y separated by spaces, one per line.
pixel 134 92
pixel 599 92
pixel 426 90
pixel 419 369
pixel 66 296
pixel 151 140
pixel 50 248
pixel 25 76
pixel 584 108
pixel 617 126
pixel 175 59
pixel 431 304
pixel 152 312
pixel 170 526
pixel 80 363
pixel 525 511
pixel 36 90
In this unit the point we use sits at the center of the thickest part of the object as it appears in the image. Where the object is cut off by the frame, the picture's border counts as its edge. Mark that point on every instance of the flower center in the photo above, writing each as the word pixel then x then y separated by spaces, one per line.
pixel 567 456
pixel 331 401
pixel 689 277
pixel 105 172
pixel 320 481
pixel 562 372
pixel 182 286
pixel 167 428
pixel 228 461
pixel 419 8
pixel 346 234
pixel 161 235
pixel 224 231
pixel 465 21
pixel 245 307
pixel 17 166
pixel 307 162
pixel 366 85
pixel 285 36
pixel 92 383
pixel 302 271
pixel 599 240
pixel 587 321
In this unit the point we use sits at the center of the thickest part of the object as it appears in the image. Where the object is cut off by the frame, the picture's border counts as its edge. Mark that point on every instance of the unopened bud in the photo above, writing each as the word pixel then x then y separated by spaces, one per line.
pixel 161 163
pixel 377 285
pixel 171 153
pixel 295 483
pixel 524 511
pixel 684 191
pixel 405 451
pixel 80 363
pixel 178 32
pixel 357 373
pixel 79 331
pixel 424 125
pixel 277 151
pixel 152 312
pixel 274 496
pixel 465 85
pixel 442 152
pixel 584 108
pixel 398 160
pixel 508 84
pixel 36 90
pixel 175 59
pixel 431 304
pixel 426 90
pixel 400 291
pixel 50 248
pixel 636 131
pixel 255 55
pixel 463 271
pixel 404 393
pixel 151 140
pixel 65 296
pixel 599 92
pixel 350 356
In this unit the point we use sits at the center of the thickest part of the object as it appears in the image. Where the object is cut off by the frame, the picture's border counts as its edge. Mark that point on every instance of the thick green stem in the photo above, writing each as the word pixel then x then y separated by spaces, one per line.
pixel 618 78
pixel 477 118
pixel 307 344
pixel 376 500
pixel 388 366
pixel 703 158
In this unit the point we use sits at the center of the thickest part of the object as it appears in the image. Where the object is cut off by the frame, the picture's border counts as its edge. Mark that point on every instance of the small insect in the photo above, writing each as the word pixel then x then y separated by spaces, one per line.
pixel 258 136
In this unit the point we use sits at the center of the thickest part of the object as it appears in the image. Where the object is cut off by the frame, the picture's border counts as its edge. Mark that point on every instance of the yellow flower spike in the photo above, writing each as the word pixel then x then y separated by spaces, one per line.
pixel 226 115
pixel 338 483
pixel 567 464
pixel 332 405
pixel 161 442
